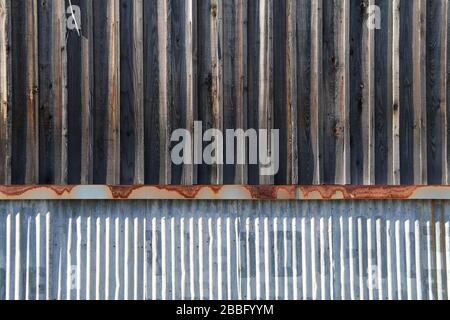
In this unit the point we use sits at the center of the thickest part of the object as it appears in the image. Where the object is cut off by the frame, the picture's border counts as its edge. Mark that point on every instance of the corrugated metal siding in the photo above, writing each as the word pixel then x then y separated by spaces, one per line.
pixel 232 250
pixel 353 104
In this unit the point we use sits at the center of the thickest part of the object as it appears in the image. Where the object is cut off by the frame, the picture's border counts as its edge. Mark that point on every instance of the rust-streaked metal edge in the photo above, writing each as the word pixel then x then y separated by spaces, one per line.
pixel 227 192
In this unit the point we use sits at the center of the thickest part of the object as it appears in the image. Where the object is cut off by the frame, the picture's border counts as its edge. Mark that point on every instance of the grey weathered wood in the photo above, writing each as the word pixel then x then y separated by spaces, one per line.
pixel 217 19
pixel 305 151
pixel 25 140
pixel 266 108
pixel 5 92
pixel 342 130
pixel 419 91
pixel 87 90
pixel 292 107
pixel 332 131
pixel 230 84
pixel 352 104
pixel 165 94
pixel 241 79
pixel 132 92
pixel 444 89
pixel 316 88
pixel 53 130
pixel 436 100
pixel 113 101
pixel 190 170
pixel 394 94
pixel 151 93
pixel 107 84
pixel 406 66
pixel 368 98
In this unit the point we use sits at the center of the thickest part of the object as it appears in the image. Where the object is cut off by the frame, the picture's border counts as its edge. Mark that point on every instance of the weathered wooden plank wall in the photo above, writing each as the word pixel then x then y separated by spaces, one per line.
pixel 96 101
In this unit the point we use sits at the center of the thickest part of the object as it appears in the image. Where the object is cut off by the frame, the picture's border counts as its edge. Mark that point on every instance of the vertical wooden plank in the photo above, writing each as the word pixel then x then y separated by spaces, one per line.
pixel 241 74
pixel 190 170
pixel 279 88
pixel 5 92
pixel 329 91
pixel 436 47
pixel 217 78
pixel 253 50
pixel 113 101
pixel 53 93
pixel 419 91
pixel 304 72
pixel 61 134
pixel 178 81
pixel 406 67
pixel 342 130
pixel 382 93
pixel 368 97
pixel 32 77
pixel 291 73
pixel 230 84
pixel 132 92
pixel 107 104
pixel 394 84
pixel 25 145
pixel 357 84
pixel 443 91
pixel 266 108
pixel 164 32
pixel 446 130
pixel 316 88
pixel 87 90
pixel 74 84
pixel 151 92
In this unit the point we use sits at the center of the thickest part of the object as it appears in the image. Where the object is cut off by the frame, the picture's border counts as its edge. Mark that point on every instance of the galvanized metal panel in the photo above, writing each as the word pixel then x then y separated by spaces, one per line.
pixel 224 250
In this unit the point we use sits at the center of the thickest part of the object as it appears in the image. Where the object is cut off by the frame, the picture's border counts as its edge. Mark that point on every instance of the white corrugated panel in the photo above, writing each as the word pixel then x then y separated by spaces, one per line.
pixel 224 250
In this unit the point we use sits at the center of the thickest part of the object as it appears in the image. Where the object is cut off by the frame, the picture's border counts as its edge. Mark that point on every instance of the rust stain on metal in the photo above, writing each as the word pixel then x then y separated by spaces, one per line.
pixel 358 192
pixel 17 191
pixel 226 192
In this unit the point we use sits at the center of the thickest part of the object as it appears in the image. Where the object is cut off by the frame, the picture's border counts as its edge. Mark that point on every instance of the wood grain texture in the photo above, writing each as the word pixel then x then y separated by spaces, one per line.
pixel 87 93
pixel 53 127
pixel 436 88
pixel 368 97
pixel 352 104
pixel 132 91
pixel 190 170
pixel 394 95
pixel 316 88
pixel 25 87
pixel 217 79
pixel 419 89
pixel 5 92
pixel 306 158
pixel 342 127
pixel 292 106
pixel 241 79
pixel 107 100
pixel 151 93
pixel 266 107
pixel 165 94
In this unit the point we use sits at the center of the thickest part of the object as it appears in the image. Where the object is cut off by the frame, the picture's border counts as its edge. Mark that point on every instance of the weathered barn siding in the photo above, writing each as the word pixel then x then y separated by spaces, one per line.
pixel 354 105
pixel 234 250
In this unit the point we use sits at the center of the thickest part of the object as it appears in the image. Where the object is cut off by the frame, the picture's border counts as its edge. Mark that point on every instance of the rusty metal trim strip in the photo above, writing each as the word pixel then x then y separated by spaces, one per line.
pixel 229 192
